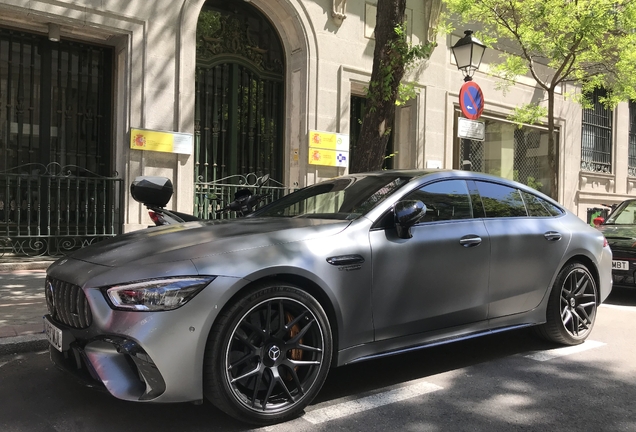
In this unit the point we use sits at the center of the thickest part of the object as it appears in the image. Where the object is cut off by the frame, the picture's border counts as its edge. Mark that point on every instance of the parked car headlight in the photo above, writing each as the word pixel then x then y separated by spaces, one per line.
pixel 155 294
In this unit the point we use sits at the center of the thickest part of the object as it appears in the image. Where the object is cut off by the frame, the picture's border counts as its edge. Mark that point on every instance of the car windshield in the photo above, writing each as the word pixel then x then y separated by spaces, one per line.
pixel 344 198
pixel 625 214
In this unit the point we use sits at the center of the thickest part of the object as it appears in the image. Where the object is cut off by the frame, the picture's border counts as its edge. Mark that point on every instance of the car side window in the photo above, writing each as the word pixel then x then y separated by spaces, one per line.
pixel 500 200
pixel 444 200
pixel 539 207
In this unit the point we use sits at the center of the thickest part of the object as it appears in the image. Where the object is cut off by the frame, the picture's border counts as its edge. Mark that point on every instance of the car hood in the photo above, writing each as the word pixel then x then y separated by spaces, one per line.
pixel 198 239
pixel 619 236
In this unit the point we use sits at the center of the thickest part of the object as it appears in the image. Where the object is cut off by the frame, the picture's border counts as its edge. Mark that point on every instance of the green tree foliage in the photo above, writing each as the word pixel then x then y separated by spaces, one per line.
pixel 208 24
pixel 392 58
pixel 591 43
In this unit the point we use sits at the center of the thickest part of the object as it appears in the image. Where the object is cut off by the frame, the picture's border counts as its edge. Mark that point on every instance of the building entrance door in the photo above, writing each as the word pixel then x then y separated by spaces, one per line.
pixel 239 102
pixel 57 187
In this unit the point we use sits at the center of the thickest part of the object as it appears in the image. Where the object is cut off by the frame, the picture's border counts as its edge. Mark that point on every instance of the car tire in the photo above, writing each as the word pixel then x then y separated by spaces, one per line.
pixel 572 306
pixel 268 354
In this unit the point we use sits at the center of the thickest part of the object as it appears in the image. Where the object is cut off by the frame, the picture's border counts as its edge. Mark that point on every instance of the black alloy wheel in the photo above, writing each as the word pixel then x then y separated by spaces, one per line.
pixel 268 355
pixel 571 311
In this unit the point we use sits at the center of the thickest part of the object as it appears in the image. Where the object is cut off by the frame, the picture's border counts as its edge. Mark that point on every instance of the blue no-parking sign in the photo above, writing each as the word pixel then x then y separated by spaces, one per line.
pixel 471 100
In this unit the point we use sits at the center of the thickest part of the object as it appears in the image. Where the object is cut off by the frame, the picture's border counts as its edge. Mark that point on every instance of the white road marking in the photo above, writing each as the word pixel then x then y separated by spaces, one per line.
pixel 625 308
pixel 560 352
pixel 344 409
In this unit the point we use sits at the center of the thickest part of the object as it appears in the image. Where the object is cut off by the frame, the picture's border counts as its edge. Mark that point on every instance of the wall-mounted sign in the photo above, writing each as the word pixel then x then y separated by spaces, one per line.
pixel 471 129
pixel 471 100
pixel 169 142
pixel 328 157
pixel 328 149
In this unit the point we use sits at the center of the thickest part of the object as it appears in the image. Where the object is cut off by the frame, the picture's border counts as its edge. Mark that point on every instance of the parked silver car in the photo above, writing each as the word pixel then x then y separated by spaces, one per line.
pixel 251 313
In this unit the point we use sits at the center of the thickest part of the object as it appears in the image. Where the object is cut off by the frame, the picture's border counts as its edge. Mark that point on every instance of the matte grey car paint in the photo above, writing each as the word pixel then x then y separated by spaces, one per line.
pixel 518 280
pixel 422 298
pixel 398 294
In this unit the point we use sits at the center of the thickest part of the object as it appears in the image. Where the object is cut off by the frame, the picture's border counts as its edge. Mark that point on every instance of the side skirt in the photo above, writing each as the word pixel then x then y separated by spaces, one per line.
pixel 438 343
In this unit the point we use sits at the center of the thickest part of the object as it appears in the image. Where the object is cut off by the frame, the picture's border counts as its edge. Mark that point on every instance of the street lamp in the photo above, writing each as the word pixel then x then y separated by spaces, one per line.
pixel 468 52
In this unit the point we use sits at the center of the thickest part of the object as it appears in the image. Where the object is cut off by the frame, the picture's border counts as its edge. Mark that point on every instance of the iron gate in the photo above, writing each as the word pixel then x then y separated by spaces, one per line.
pixel 239 104
pixel 57 189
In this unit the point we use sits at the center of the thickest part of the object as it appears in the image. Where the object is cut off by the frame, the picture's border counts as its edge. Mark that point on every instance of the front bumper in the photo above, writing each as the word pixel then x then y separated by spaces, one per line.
pixel 624 278
pixel 144 356
pixel 118 365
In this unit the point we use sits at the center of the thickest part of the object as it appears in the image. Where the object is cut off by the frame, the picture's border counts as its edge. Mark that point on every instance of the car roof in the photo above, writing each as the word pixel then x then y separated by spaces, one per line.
pixel 441 173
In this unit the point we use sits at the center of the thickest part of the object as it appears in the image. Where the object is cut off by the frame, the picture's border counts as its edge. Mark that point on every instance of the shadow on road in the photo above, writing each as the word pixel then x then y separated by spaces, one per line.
pixel 376 374
pixel 622 297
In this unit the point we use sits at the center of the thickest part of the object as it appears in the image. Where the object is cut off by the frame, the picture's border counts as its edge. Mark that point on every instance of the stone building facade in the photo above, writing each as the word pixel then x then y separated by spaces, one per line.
pixel 301 66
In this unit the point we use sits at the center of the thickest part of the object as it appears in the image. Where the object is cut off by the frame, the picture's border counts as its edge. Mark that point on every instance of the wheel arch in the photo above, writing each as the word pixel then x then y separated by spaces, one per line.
pixel 558 326
pixel 309 286
pixel 591 267
pixel 321 296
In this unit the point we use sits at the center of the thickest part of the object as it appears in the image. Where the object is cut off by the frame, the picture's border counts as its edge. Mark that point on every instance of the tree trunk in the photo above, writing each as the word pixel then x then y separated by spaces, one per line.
pixel 388 71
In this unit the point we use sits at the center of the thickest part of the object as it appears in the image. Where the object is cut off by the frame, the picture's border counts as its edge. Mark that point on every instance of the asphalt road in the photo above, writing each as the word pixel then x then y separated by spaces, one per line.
pixel 506 382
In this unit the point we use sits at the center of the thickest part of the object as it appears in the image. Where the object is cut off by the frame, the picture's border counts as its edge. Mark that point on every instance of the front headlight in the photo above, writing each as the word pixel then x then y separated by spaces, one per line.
pixel 155 294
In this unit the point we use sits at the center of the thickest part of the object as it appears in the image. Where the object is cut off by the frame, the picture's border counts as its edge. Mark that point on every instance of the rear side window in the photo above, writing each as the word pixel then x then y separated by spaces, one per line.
pixel 501 201
pixel 444 200
pixel 539 207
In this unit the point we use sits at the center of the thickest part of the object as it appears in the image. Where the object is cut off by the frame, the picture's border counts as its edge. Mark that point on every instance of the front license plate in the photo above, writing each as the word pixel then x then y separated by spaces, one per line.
pixel 620 265
pixel 53 334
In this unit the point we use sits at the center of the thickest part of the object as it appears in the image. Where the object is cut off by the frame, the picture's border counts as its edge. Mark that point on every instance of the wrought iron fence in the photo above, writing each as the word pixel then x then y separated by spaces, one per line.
pixel 52 210
pixel 210 197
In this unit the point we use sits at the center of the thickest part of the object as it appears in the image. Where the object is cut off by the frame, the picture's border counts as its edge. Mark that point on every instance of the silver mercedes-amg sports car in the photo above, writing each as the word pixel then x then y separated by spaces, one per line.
pixel 251 313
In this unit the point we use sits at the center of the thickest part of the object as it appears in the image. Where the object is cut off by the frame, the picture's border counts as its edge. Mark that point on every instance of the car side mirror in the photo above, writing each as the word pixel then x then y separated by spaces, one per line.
pixel 407 214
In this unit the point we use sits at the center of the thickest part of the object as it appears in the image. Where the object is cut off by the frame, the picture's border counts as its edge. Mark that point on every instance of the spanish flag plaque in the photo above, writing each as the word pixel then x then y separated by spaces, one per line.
pixel 168 142
pixel 328 149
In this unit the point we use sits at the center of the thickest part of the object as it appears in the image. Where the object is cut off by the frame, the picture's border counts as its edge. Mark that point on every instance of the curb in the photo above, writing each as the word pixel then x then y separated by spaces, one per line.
pixel 23 344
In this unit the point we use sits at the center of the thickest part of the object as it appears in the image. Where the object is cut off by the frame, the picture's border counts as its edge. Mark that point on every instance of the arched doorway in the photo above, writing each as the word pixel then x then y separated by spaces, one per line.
pixel 239 99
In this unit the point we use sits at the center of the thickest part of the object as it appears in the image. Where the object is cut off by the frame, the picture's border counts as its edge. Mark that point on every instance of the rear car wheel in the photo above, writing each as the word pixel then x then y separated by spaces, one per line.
pixel 571 311
pixel 268 354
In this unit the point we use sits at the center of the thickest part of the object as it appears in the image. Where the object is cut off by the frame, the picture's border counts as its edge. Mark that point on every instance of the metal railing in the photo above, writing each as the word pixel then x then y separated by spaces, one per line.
pixel 212 196
pixel 52 210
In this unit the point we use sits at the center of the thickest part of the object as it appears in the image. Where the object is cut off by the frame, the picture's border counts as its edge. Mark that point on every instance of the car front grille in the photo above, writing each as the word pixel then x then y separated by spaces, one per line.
pixel 623 279
pixel 67 304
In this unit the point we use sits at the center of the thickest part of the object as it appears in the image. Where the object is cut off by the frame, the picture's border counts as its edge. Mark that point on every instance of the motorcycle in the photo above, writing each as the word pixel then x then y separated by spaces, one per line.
pixel 155 192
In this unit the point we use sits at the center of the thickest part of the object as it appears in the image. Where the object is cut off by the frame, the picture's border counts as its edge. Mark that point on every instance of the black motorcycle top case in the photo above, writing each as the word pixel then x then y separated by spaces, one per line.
pixel 155 191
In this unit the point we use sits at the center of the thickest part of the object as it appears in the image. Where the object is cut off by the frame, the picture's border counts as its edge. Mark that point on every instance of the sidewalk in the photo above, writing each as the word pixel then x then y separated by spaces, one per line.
pixel 22 304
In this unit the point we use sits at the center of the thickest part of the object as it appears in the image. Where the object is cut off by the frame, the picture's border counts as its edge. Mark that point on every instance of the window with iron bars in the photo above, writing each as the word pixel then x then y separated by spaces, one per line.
pixel 530 161
pixel 596 141
pixel 631 158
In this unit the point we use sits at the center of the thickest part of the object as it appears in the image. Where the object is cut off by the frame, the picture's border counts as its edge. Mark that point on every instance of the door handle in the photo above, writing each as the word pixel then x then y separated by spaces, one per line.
pixel 552 236
pixel 470 240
